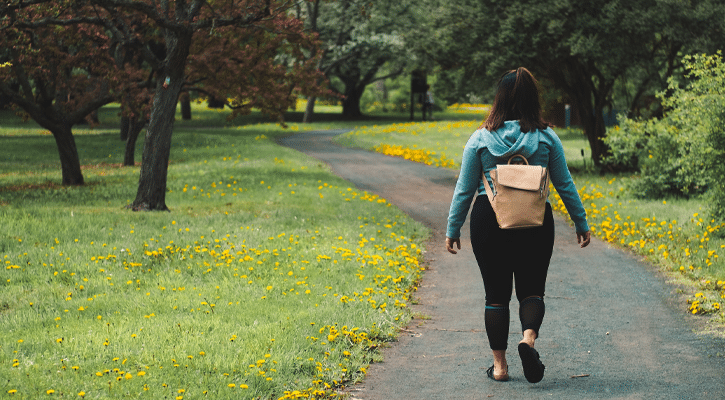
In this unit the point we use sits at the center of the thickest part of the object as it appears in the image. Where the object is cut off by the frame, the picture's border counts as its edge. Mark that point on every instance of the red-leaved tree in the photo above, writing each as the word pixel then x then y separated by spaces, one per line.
pixel 58 71
pixel 243 50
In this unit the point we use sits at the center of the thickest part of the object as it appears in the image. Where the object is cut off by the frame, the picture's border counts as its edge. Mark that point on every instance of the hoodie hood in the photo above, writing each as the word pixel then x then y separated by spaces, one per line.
pixel 509 140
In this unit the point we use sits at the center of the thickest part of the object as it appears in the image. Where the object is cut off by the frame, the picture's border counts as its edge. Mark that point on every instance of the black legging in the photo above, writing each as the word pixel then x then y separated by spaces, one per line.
pixel 507 255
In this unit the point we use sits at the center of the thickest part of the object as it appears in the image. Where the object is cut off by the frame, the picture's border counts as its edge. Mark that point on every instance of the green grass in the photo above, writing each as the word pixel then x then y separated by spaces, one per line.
pixel 674 233
pixel 441 143
pixel 435 143
pixel 269 275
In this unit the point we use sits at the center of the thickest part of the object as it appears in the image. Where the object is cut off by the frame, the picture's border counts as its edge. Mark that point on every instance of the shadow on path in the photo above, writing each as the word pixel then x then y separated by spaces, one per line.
pixel 608 315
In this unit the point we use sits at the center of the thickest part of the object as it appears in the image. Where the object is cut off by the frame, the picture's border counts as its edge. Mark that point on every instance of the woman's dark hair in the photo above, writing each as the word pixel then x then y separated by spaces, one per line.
pixel 517 98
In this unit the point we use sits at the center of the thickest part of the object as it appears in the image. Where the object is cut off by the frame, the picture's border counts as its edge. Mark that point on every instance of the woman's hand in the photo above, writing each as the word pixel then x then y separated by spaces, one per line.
pixel 583 239
pixel 449 245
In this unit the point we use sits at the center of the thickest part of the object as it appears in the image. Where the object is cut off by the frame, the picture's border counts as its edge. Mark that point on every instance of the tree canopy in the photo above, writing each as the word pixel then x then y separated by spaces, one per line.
pixel 581 48
pixel 358 38
pixel 246 51
pixel 58 74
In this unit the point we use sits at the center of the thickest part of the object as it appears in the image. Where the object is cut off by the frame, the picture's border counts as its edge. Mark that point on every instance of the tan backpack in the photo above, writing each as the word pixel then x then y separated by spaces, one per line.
pixel 519 200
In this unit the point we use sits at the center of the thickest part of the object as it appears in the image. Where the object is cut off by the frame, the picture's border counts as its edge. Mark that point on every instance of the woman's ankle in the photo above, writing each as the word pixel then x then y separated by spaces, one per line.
pixel 529 337
pixel 499 361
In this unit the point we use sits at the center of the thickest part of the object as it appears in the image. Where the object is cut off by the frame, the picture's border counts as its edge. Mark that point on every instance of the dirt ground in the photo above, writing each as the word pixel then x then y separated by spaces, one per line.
pixel 611 331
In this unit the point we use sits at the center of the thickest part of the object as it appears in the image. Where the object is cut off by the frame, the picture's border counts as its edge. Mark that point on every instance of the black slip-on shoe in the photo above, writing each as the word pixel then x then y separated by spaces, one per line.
pixel 533 367
pixel 501 378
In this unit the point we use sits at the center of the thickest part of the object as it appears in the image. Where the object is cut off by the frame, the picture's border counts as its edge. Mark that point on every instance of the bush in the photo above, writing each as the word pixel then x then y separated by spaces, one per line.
pixel 716 168
pixel 681 153
pixel 667 156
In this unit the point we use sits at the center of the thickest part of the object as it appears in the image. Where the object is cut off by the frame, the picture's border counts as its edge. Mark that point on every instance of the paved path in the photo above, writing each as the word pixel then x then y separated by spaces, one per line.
pixel 608 315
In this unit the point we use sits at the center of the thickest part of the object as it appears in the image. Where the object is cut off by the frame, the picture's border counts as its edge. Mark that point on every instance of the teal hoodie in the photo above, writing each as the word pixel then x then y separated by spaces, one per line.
pixel 485 150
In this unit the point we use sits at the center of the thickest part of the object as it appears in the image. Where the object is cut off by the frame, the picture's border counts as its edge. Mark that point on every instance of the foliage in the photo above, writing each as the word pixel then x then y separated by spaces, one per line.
pixel 684 243
pixel 433 143
pixel 393 95
pixel 253 34
pixel 667 232
pixel 716 166
pixel 57 75
pixel 258 67
pixel 50 63
pixel 583 49
pixel 272 277
pixel 362 42
pixel 680 153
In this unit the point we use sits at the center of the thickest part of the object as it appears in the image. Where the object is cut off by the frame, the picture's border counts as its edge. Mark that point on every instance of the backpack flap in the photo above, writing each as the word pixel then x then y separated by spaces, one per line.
pixel 522 177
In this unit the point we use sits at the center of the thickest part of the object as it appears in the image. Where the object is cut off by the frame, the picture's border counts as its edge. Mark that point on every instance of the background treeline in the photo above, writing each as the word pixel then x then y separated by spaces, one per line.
pixel 64 59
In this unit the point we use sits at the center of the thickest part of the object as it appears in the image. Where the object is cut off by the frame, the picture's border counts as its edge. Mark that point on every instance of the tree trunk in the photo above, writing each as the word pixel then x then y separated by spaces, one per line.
pixel 213 102
pixel 309 110
pixel 590 105
pixel 595 131
pixel 383 88
pixel 134 129
pixel 125 126
pixel 185 101
pixel 351 102
pixel 94 117
pixel 69 162
pixel 151 194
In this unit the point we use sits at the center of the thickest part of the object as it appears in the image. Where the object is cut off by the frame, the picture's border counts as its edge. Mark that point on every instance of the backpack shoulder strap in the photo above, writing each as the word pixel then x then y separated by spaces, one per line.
pixel 489 192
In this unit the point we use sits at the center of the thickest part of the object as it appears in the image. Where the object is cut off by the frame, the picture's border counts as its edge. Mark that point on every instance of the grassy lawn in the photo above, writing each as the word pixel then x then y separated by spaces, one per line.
pixel 269 278
pixel 674 233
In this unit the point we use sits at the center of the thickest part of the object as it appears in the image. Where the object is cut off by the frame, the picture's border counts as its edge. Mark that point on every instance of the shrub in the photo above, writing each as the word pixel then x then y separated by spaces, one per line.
pixel 681 153
pixel 716 168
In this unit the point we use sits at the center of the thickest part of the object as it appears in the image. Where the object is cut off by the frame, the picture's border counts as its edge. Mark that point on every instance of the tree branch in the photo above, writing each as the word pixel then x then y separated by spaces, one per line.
pixel 15 97
pixel 144 8
pixel 89 107
pixel 390 75
pixel 55 21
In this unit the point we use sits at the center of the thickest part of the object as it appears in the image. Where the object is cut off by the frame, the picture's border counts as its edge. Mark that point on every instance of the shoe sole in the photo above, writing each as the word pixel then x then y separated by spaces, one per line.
pixel 533 367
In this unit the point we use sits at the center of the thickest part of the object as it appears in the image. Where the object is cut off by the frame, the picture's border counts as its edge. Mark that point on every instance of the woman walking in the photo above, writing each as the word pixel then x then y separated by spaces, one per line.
pixel 514 126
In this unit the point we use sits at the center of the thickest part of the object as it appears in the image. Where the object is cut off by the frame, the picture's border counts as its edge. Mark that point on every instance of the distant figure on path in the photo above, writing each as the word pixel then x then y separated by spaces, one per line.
pixel 428 104
pixel 514 126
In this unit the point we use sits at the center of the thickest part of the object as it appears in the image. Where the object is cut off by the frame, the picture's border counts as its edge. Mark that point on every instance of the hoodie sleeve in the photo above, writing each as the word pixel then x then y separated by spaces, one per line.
pixel 469 180
pixel 564 184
